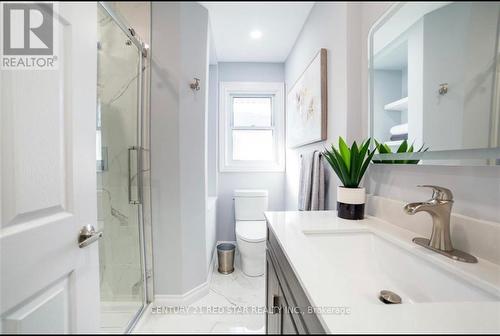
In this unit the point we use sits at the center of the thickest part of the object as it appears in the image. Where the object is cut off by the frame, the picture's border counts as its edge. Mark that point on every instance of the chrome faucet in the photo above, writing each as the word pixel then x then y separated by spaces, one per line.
pixel 439 207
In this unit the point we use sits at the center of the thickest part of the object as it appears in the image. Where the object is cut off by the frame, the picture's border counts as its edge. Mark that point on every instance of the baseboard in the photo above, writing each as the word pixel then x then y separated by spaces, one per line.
pixel 194 294
pixel 212 264
pixel 185 299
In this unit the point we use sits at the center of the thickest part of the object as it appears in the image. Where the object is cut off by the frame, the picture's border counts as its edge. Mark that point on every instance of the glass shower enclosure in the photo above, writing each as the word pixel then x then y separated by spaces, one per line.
pixel 120 165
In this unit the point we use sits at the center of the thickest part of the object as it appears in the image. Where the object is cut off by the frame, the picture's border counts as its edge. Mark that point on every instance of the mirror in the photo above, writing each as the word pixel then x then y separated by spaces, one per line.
pixel 435 83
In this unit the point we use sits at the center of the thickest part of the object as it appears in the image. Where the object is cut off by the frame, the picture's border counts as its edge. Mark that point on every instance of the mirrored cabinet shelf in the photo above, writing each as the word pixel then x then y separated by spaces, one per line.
pixel 398 105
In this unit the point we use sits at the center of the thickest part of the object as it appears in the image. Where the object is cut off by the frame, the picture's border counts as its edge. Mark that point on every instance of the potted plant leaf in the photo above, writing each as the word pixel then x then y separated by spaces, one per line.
pixel 350 165
pixel 403 148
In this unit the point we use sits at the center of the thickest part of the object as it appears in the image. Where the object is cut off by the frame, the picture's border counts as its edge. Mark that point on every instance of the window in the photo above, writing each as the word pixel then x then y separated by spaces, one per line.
pixel 251 126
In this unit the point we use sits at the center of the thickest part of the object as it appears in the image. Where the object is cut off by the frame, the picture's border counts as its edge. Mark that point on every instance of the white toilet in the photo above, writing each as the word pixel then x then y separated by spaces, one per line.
pixel 250 227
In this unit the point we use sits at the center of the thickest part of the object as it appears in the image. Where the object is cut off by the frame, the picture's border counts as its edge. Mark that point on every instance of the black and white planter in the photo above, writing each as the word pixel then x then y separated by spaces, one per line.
pixel 351 202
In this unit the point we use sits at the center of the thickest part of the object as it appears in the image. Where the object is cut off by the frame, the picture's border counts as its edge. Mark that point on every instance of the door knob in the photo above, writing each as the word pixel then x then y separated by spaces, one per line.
pixel 88 235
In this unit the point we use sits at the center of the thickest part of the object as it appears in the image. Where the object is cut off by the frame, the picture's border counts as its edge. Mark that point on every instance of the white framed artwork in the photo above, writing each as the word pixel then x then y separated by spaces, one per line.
pixel 306 110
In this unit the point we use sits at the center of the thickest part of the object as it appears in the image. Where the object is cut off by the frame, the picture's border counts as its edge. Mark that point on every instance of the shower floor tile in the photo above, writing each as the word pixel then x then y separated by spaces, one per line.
pixel 234 305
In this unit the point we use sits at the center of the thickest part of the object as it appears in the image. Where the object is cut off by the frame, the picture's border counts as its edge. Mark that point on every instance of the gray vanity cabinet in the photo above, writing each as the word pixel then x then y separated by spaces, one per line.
pixel 286 303
pixel 288 326
pixel 273 292
pixel 279 319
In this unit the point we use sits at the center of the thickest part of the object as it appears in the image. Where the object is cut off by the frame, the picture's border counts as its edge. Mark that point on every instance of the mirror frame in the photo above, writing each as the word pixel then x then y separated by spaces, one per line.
pixel 458 157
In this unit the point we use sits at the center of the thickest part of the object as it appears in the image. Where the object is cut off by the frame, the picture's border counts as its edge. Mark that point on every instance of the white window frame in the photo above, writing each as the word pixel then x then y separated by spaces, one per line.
pixel 227 91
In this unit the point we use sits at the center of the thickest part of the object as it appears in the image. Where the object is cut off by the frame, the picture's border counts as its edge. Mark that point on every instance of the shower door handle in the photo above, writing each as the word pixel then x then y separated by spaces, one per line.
pixel 134 197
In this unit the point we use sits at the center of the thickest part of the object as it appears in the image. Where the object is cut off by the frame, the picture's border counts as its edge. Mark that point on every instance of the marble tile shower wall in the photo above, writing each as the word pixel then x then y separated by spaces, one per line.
pixel 138 16
pixel 119 249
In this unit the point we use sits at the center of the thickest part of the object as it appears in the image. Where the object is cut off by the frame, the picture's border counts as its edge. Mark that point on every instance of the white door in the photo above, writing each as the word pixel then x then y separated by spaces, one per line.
pixel 48 185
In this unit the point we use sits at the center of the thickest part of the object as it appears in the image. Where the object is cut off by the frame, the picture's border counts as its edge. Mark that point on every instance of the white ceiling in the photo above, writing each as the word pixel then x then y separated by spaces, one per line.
pixel 231 24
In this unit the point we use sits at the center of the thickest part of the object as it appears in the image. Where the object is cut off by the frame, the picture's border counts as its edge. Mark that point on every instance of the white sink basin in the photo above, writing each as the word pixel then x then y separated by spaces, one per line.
pixel 371 263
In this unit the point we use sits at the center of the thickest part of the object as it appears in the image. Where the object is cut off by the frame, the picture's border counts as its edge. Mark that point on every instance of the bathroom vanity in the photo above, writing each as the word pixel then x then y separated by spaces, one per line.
pixel 326 275
pixel 286 302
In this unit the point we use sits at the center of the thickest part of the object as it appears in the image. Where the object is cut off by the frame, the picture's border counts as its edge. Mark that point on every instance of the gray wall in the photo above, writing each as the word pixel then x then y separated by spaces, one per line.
pixel 178 152
pixel 228 182
pixel 251 72
pixel 334 26
pixel 212 173
pixel 212 124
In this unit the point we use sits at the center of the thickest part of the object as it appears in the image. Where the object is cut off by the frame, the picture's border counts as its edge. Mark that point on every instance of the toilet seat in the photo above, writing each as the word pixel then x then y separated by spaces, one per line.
pixel 251 231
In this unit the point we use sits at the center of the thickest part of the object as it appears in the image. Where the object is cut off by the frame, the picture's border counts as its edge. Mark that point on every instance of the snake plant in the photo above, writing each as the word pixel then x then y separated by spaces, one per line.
pixel 351 163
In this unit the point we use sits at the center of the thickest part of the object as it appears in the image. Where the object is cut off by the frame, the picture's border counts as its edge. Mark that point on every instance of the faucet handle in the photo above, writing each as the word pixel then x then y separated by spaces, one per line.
pixel 439 193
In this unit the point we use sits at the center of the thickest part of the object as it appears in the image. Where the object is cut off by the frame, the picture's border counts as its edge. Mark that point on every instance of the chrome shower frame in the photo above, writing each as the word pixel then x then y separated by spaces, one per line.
pixel 143 49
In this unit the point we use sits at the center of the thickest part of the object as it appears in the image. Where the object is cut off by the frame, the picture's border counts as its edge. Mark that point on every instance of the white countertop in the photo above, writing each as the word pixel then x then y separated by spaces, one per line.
pixel 326 288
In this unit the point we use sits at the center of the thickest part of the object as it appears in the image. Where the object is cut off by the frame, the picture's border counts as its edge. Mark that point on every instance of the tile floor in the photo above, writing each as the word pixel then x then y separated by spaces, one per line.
pixel 234 305
pixel 116 316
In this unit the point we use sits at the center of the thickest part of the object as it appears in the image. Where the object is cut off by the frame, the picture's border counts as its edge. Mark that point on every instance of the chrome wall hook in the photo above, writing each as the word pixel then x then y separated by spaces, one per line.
pixel 195 84
pixel 443 89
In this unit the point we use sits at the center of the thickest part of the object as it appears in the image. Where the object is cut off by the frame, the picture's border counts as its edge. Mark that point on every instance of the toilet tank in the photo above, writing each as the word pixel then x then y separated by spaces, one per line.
pixel 250 204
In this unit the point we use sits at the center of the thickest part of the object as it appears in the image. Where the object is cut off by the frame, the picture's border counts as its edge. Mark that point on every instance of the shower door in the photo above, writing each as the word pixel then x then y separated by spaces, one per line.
pixel 118 133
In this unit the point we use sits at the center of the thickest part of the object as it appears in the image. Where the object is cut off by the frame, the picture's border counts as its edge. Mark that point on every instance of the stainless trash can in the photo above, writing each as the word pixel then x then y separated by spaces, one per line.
pixel 225 255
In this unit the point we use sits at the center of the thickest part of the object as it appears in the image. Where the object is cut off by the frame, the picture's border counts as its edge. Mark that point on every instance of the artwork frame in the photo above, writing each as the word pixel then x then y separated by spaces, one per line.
pixel 307 104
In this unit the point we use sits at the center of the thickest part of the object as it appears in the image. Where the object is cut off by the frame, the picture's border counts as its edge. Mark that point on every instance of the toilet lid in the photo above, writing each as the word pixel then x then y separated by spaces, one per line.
pixel 251 231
